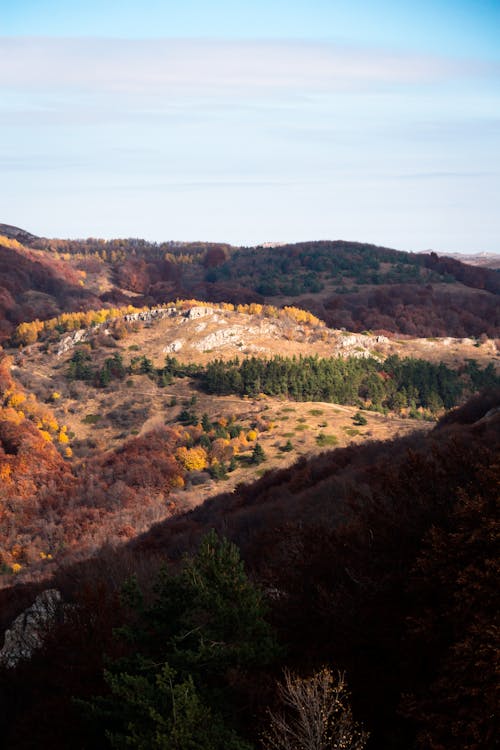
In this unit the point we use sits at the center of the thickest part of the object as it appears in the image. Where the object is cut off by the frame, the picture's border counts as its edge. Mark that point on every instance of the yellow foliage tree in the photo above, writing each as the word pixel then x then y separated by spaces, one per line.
pixel 16 399
pixel 192 459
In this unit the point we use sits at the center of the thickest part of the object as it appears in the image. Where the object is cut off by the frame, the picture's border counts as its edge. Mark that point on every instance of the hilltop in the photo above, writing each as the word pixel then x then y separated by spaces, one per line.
pixel 15 233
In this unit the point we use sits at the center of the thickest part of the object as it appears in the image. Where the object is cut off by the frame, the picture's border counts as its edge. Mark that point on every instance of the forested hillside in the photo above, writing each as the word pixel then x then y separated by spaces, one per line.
pixel 378 560
pixel 347 284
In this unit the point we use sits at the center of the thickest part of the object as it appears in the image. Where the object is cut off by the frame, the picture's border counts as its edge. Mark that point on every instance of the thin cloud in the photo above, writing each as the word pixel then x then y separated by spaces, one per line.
pixel 445 175
pixel 211 67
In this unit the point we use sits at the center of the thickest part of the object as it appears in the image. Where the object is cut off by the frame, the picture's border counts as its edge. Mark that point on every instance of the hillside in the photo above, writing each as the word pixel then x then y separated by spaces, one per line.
pixel 34 284
pixel 15 233
pixel 126 422
pixel 317 404
pixel 378 559
pixel 347 284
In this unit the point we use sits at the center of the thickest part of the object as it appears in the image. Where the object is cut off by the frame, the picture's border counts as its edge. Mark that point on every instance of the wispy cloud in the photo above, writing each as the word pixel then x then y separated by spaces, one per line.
pixel 211 67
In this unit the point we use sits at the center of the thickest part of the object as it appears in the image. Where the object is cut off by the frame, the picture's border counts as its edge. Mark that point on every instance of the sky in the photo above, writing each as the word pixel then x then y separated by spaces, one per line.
pixel 374 121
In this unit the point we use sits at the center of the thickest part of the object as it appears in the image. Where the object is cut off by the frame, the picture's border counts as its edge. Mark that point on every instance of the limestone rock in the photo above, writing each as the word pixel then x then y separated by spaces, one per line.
pixel 174 346
pixel 28 630
pixel 199 312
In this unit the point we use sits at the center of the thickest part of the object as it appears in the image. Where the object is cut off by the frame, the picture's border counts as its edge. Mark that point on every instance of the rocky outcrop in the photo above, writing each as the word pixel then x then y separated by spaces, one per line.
pixel 68 342
pixel 84 334
pixel 147 316
pixel 199 312
pixel 29 629
pixel 174 346
pixel 236 335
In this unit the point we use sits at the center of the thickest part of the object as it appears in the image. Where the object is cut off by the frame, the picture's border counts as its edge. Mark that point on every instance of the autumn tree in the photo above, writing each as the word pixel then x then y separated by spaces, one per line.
pixel 316 715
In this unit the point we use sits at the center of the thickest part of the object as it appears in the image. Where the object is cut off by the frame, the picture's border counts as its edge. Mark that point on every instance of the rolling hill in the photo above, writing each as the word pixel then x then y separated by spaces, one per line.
pixel 331 408
pixel 347 284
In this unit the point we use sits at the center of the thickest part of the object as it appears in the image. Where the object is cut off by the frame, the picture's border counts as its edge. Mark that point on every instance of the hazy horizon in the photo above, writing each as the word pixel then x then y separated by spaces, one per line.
pixel 279 122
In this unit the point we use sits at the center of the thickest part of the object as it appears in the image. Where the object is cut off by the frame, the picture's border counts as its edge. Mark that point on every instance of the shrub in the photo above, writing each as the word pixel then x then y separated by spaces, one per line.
pixel 323 440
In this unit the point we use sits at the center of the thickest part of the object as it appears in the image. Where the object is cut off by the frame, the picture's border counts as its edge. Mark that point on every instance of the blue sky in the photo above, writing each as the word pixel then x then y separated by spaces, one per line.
pixel 252 122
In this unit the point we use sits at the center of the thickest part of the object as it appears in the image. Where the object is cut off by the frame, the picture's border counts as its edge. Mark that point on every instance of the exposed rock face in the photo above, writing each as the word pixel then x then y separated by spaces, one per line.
pixel 29 629
pixel 147 316
pixel 84 334
pixel 355 345
pixel 175 346
pixel 236 335
pixel 199 312
pixel 68 342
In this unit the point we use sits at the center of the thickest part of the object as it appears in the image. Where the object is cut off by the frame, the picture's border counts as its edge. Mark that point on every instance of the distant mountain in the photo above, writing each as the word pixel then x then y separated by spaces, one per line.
pixel 484 260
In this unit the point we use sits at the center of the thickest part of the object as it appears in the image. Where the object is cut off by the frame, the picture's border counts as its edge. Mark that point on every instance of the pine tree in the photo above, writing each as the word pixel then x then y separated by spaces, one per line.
pixel 205 624
pixel 258 455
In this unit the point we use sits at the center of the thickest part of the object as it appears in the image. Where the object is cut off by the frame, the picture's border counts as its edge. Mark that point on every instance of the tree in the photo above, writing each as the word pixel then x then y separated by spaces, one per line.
pixel 193 459
pixel 167 713
pixel 206 423
pixel 359 418
pixel 258 455
pixel 317 715
pixel 199 640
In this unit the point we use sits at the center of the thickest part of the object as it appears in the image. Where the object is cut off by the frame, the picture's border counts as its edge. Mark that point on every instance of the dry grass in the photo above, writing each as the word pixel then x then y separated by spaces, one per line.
pixel 137 405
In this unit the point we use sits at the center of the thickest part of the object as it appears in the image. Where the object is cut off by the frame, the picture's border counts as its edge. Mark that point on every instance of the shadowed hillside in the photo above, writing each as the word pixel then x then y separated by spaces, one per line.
pixel 378 559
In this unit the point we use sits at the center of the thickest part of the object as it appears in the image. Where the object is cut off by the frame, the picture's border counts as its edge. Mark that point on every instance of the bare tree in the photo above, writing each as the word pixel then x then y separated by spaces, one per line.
pixel 316 715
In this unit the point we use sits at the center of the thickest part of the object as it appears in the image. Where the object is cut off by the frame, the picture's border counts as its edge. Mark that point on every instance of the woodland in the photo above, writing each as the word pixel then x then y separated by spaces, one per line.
pixel 346 284
pixel 348 600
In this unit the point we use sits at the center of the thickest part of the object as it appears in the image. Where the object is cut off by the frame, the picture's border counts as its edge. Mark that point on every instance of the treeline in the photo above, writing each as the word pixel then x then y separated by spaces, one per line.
pixel 120 248
pixel 393 384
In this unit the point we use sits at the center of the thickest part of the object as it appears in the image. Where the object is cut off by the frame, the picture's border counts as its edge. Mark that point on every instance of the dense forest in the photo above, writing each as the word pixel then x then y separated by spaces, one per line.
pixel 377 560
pixel 393 384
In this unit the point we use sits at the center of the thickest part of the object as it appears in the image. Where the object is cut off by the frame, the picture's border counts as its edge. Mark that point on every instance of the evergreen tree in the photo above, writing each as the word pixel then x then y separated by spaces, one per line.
pixel 258 454
pixel 172 691
pixel 206 423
